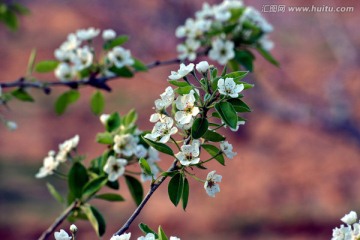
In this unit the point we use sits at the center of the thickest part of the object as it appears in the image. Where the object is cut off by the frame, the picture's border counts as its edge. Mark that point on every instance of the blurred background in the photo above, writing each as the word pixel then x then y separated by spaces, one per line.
pixel 297 169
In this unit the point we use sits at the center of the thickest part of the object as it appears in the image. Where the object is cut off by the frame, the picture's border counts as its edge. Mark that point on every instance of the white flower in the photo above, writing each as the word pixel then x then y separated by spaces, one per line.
pixel 140 151
pixel 66 147
pixel 153 155
pixel 11 125
pixel 165 101
pixel 64 72
pixel 174 238
pixel 254 16
pixel 342 233
pixel 49 165
pixel 87 34
pixel 222 13
pixel 229 88
pixel 349 218
pixel 205 12
pixel 115 168
pixel 120 57
pixel 189 153
pixel 202 66
pixel 104 118
pixel 266 43
pixel 185 126
pixel 222 51
pixel 108 34
pixel 162 131
pixel 73 228
pixel 210 185
pixel 71 43
pixel 155 117
pixel 188 49
pixel 154 171
pixel 124 236
pixel 62 55
pixel 182 72
pixel 149 236
pixel 227 148
pixel 124 144
pixel 83 58
pixel 62 235
pixel 186 107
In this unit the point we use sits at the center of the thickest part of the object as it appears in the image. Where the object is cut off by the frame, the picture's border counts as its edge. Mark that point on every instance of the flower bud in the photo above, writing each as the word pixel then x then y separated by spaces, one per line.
pixel 104 118
pixel 73 228
pixel 12 126
pixel 202 66
pixel 108 34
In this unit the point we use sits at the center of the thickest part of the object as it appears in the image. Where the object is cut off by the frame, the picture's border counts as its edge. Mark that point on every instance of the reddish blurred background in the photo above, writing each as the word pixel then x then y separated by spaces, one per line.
pixel 297 168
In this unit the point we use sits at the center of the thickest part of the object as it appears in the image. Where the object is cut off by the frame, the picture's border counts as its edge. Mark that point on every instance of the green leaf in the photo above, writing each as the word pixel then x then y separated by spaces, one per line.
pixel 199 127
pixel 178 83
pixel 139 66
pixel 115 42
pixel 234 65
pixel 161 234
pixel 175 188
pixel 213 136
pixel 145 166
pixel 97 103
pixel 77 179
pixel 130 118
pixel 113 184
pixel 94 186
pixel 105 138
pixel 183 90
pixel 22 95
pixel 113 122
pixel 10 19
pixel 159 146
pixel 237 76
pixel 65 99
pixel 46 66
pixel 214 72
pixel 111 197
pixel 267 55
pixel 227 113
pixel 135 189
pixel 146 229
pixel 214 152
pixel 95 218
pixel 245 58
pixel 55 193
pixel 169 174
pixel 31 61
pixel 239 105
pixel 122 72
pixel 185 193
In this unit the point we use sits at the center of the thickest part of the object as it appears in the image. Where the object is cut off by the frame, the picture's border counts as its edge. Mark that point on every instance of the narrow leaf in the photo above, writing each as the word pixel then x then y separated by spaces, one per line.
pixel 95 218
pixel 159 146
pixel 130 118
pixel 111 197
pixel 55 193
pixel 178 83
pixel 135 188
pixel 116 42
pixel 22 95
pixel 267 55
pixel 185 193
pixel 161 234
pixel 77 179
pixel 213 136
pixel 145 166
pixel 94 186
pixel 139 66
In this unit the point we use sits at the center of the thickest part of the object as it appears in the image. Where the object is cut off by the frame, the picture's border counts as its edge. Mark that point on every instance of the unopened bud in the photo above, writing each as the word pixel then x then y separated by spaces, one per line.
pixel 12 126
pixel 73 228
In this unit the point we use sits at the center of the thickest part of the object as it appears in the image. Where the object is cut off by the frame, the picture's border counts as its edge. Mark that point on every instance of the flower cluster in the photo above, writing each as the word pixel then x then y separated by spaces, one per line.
pixel 349 232
pixel 190 106
pixel 149 236
pixel 222 29
pixel 76 55
pixel 127 147
pixel 63 235
pixel 52 161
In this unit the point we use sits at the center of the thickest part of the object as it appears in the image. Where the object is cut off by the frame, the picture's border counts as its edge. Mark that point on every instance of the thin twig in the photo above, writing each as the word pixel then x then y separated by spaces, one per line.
pixel 59 220
pixel 137 211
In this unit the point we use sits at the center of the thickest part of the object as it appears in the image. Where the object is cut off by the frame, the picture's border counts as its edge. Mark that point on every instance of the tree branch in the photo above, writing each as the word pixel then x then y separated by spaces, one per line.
pixel 59 220
pixel 137 211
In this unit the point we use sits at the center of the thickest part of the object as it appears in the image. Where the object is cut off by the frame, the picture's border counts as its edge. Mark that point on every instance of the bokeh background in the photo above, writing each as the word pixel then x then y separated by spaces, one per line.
pixel 297 170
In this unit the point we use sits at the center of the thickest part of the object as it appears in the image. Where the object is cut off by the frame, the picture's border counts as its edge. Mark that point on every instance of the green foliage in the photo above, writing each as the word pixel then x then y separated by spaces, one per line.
pixel 97 103
pixel 199 127
pixel 77 179
pixel 111 197
pixel 178 83
pixel 22 95
pixel 267 55
pixel 93 186
pixel 185 193
pixel 46 66
pixel 245 58
pixel 65 99
pixel 184 90
pixel 139 66
pixel 95 218
pixel 214 152
pixel 213 136
pixel 159 146
pixel 239 105
pixel 9 13
pixel 175 188
pixel 130 118
pixel 161 234
pixel 145 166
pixel 135 188
pixel 122 72
pixel 227 113
pixel 57 196
pixel 105 138
pixel 113 122
pixel 146 229
pixel 115 42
